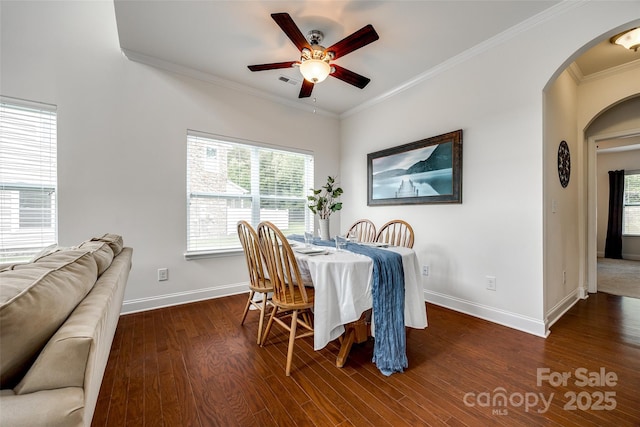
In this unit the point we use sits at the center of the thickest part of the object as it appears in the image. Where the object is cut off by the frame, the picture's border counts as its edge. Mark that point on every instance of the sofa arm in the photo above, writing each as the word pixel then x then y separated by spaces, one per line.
pixel 70 355
pixel 52 408
pixel 61 363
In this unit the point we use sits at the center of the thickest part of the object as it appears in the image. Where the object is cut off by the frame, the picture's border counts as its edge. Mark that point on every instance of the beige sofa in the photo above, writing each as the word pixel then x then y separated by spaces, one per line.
pixel 58 316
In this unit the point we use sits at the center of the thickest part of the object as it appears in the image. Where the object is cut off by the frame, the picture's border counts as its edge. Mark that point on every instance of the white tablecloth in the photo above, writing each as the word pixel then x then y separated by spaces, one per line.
pixel 342 282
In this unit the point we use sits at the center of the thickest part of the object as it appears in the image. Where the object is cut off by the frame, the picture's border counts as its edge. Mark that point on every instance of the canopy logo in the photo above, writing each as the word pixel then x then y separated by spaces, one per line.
pixel 499 400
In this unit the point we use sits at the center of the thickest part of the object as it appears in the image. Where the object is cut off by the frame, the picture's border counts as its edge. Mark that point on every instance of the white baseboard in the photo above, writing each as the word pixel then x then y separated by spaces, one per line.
pixel 159 301
pixel 492 314
pixel 564 305
pixel 583 293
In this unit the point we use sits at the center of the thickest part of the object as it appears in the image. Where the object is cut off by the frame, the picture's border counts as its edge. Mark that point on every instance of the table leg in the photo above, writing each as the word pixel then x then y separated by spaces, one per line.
pixel 345 348
pixel 355 332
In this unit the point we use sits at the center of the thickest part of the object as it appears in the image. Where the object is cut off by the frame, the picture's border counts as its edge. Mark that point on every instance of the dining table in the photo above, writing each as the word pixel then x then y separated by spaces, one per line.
pixel 345 283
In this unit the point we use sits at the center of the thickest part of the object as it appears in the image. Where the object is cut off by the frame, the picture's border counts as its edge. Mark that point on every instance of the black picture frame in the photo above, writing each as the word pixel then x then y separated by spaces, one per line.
pixel 420 172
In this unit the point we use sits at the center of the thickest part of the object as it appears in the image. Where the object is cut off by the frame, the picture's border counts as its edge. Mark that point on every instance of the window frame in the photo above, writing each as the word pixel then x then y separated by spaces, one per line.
pixel 254 196
pixel 28 159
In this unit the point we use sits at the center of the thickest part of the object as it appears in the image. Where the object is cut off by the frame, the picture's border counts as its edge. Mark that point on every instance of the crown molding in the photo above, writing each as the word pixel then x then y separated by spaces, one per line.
pixel 609 72
pixel 210 78
pixel 560 8
pixel 575 73
pixel 545 15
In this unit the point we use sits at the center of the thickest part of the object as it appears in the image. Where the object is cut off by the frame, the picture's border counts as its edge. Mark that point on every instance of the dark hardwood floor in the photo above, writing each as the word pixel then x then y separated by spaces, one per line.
pixel 194 365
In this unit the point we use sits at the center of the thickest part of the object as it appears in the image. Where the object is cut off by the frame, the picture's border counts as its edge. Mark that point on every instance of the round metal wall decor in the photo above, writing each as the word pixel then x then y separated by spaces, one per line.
pixel 564 164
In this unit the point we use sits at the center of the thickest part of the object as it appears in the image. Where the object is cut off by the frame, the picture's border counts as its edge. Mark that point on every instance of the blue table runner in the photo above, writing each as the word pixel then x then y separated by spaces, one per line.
pixel 390 346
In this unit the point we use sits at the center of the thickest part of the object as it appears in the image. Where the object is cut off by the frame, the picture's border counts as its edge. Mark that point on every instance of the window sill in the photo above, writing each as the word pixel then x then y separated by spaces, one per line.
pixel 195 255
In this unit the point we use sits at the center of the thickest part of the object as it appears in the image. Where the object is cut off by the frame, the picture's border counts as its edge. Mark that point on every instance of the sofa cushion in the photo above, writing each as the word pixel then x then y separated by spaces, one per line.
pixel 114 240
pixel 102 253
pixel 35 299
pixel 46 251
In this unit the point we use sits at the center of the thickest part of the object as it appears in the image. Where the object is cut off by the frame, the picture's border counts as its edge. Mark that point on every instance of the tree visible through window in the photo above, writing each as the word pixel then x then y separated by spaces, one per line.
pixel 28 178
pixel 631 214
pixel 243 181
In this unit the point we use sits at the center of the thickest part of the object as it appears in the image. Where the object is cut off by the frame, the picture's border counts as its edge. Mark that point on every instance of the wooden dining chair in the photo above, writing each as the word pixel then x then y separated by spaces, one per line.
pixel 258 280
pixel 364 230
pixel 291 299
pixel 397 233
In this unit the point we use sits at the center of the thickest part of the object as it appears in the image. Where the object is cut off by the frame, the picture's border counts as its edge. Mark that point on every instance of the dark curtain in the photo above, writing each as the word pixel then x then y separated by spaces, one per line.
pixel 613 244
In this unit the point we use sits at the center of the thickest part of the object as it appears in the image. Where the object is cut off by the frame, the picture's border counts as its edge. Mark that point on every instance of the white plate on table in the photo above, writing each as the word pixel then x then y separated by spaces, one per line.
pixel 311 251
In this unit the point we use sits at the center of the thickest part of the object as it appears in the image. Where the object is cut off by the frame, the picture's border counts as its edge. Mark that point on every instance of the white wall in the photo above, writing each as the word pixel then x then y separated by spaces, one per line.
pixel 122 140
pixel 621 117
pixel 495 96
pixel 562 250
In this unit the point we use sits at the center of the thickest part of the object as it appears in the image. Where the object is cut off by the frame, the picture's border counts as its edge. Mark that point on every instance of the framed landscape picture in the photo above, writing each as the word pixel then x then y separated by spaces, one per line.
pixel 425 171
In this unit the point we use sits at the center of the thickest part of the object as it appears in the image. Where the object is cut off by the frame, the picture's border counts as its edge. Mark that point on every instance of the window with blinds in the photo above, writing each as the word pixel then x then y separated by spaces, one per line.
pixel 28 178
pixel 631 202
pixel 229 181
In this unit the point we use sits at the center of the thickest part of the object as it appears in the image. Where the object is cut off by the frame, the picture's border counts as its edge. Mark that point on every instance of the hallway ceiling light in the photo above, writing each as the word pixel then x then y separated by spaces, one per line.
pixel 629 39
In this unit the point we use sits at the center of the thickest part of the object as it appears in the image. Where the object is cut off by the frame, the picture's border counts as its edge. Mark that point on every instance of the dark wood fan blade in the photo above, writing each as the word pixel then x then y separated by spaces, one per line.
pixel 275 65
pixel 360 38
pixel 350 77
pixel 290 28
pixel 305 90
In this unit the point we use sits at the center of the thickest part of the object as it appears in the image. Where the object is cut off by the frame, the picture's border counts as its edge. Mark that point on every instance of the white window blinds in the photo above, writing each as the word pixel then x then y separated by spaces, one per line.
pixel 229 181
pixel 631 201
pixel 28 178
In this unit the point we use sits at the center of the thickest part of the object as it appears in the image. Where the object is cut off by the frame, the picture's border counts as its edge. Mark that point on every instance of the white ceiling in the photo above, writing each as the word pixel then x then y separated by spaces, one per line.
pixel 216 40
pixel 605 56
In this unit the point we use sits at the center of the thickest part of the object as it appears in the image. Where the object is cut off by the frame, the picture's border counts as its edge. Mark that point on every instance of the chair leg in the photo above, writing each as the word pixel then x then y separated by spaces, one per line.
pixel 265 334
pixel 263 311
pixel 246 307
pixel 307 318
pixel 292 340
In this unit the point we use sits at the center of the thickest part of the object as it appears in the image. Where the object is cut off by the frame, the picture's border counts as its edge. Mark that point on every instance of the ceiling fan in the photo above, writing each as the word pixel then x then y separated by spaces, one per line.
pixel 315 60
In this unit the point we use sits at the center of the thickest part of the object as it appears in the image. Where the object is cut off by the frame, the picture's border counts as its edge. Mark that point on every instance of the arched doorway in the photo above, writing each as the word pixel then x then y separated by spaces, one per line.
pixel 572 102
pixel 615 135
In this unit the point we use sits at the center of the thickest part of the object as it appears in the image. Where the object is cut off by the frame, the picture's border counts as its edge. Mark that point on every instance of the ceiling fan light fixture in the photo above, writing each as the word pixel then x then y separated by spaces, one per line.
pixel 629 39
pixel 315 61
pixel 315 70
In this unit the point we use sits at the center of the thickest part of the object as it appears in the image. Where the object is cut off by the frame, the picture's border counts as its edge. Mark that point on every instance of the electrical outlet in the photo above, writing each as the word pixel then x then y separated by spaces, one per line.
pixel 564 277
pixel 163 274
pixel 425 270
pixel 491 283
